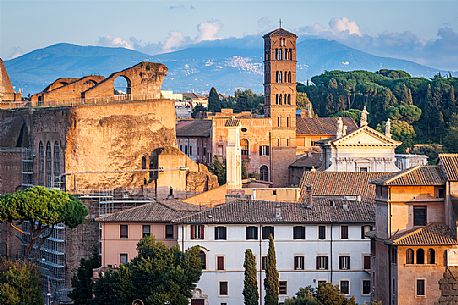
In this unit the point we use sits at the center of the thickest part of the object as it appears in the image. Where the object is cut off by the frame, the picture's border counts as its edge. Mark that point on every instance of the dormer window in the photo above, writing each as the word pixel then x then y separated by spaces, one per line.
pixel 419 216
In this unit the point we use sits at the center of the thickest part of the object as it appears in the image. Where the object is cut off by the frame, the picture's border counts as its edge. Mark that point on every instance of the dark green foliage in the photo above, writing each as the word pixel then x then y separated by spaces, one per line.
pixel 219 169
pixel 214 105
pixel 197 111
pixel 250 287
pixel 326 294
pixel 451 138
pixel 244 100
pixel 42 208
pixel 20 283
pixel 82 284
pixel 355 114
pixel 427 105
pixel 157 275
pixel 271 284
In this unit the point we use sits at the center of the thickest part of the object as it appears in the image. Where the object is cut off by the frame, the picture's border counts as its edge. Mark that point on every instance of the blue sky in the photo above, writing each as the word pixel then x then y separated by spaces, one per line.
pixel 393 28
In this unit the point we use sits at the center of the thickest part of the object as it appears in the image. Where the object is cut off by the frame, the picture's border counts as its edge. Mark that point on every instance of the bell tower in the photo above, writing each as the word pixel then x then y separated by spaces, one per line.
pixel 280 100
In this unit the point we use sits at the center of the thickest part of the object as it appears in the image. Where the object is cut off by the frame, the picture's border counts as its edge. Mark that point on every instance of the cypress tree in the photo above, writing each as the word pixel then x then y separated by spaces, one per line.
pixel 214 104
pixel 271 281
pixel 250 283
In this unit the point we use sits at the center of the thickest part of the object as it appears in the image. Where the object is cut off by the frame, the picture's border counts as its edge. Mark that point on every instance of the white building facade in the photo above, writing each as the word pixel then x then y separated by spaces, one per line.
pixel 308 251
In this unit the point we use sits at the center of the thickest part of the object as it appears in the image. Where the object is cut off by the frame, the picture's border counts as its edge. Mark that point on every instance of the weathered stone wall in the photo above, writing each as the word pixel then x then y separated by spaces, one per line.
pixel 10 169
pixel 448 286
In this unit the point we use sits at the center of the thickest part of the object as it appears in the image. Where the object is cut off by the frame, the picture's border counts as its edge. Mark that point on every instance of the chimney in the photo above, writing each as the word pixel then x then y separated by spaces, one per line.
pixel 171 196
pixel 308 195
pixel 278 211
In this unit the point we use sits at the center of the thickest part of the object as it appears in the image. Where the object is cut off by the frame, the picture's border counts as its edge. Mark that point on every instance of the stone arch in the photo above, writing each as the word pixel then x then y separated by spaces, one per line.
pixel 420 256
pixel 264 173
pixel 431 256
pixel 245 148
pixel 48 165
pixel 409 256
pixel 122 85
pixel 203 259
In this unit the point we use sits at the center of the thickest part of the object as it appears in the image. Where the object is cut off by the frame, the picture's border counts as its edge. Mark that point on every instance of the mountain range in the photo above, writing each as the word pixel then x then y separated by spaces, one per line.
pixel 225 64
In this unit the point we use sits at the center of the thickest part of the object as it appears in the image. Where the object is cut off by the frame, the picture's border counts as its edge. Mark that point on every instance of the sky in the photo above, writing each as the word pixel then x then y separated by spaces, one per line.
pixel 423 30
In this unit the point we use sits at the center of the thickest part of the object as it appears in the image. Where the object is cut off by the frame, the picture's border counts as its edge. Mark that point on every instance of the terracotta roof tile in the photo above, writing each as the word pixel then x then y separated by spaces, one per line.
pixel 312 160
pixel 279 32
pixel 340 184
pixel 194 128
pixel 265 212
pixel 322 126
pixel 449 162
pixel 419 175
pixel 430 235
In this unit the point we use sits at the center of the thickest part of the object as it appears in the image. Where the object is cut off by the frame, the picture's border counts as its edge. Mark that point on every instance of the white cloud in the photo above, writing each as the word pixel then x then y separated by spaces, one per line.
pixel 15 52
pixel 110 41
pixel 344 25
pixel 173 41
pixel 208 30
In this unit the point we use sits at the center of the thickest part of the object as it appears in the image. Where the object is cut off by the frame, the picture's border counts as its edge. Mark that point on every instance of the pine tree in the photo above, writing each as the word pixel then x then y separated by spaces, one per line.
pixel 271 281
pixel 214 104
pixel 250 288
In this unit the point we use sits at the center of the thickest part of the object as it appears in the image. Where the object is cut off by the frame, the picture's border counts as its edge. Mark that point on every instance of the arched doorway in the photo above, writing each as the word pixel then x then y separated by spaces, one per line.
pixel 121 85
pixel 245 148
pixel 264 173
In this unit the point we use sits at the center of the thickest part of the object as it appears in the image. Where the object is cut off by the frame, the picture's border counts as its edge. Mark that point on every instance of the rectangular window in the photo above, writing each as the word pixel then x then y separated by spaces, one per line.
pixel 123 231
pixel 364 230
pixel 223 288
pixel 321 283
pixel 344 262
pixel 283 287
pixel 220 263
pixel 322 262
pixel 343 232
pixel 367 262
pixel 123 258
pixel 366 286
pixel 146 230
pixel 363 169
pixel 299 232
pixel 220 233
pixel 186 149
pixel 419 216
pixel 169 232
pixel 421 287
pixel 251 233
pixel 264 150
pixel 198 150
pixel 267 231
pixel 197 231
pixel 299 262
pixel 345 287
pixel 263 262
pixel 321 232
pixel 190 150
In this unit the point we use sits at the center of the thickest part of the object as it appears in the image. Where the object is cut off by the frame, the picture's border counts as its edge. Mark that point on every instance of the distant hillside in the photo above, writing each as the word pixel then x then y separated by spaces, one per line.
pixel 225 64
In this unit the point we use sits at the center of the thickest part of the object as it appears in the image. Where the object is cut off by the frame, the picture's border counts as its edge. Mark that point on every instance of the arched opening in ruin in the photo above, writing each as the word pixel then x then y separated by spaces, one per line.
pixel 245 148
pixel 121 85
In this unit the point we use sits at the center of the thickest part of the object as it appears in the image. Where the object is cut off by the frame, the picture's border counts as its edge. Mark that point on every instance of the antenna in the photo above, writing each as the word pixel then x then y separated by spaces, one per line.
pixel 279 21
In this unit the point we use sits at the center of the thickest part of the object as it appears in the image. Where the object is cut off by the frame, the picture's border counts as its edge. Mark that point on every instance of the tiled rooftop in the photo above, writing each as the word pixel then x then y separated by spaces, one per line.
pixel 194 128
pixel 419 175
pixel 322 126
pixel 312 160
pixel 431 235
pixel 449 162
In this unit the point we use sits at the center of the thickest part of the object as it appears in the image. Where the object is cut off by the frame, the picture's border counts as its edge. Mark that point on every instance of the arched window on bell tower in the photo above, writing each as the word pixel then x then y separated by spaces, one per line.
pixel 279 99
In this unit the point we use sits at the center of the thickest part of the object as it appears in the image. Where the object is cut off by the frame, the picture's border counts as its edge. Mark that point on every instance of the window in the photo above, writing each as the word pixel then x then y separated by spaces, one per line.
pixel 169 232
pixel 299 232
pixel 367 262
pixel 48 165
pixel 123 258
pixel 56 164
pixel 197 231
pixel 322 262
pixel 283 287
pixel 41 156
pixel 244 146
pixel 299 262
pixel 220 263
pixel 123 231
pixel 421 287
pixel 420 256
pixel 144 161
pixel 263 262
pixel 343 232
pixel 409 256
pixel 190 150
pixel 146 230
pixel 203 259
pixel 419 216
pixel 264 173
pixel 366 286
pixel 264 150
pixel 344 262
pixel 223 288
pixel 363 169
pixel 345 287
pixel 267 231
pixel 364 230
pixel 431 259
pixel 251 233
pixel 220 233
pixel 321 232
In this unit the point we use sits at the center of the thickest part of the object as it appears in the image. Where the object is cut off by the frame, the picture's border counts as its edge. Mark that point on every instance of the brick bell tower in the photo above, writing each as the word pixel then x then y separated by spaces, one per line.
pixel 280 100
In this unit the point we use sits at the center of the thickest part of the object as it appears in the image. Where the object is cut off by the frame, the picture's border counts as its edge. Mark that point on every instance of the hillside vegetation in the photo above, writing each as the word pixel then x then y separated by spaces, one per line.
pixel 421 110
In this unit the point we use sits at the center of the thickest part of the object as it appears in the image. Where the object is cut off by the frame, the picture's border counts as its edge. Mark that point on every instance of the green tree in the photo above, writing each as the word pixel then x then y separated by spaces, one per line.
pixel 42 209
pixel 82 284
pixel 271 284
pixel 20 283
pixel 158 275
pixel 451 140
pixel 305 296
pixel 401 131
pixel 219 169
pixel 328 294
pixel 214 105
pixel 250 283
pixel 197 111
pixel 302 100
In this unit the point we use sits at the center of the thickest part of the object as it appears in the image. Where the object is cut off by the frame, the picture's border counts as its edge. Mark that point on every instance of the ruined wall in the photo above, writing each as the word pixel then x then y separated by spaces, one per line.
pixel 10 169
pixel 6 88
pixel 144 81
pixel 115 137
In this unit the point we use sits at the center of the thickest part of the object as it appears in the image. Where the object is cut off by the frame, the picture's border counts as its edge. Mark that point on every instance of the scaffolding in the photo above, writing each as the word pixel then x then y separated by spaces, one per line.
pixel 27 167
